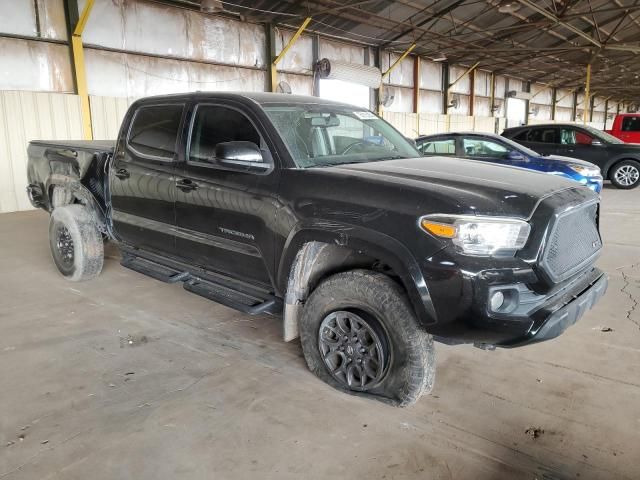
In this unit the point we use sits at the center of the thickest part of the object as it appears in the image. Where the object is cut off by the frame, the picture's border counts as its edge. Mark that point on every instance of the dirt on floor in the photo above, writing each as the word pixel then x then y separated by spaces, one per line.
pixel 125 377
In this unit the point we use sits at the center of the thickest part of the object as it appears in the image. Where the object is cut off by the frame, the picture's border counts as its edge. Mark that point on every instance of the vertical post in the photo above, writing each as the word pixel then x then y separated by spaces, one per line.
pixel 76 24
pixel 445 87
pixel 574 106
pixel 271 79
pixel 492 94
pixel 472 93
pixel 274 63
pixel 554 102
pixel 527 104
pixel 587 94
pixel 416 92
pixel 376 93
pixel 315 51
pixel 606 112
pixel 592 105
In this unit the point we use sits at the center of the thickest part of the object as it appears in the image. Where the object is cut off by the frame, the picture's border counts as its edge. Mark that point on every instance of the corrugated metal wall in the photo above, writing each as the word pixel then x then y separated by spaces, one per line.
pixel 26 116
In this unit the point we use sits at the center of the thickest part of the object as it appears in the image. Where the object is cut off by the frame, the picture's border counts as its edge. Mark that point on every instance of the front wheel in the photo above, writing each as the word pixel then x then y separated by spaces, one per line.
pixel 359 333
pixel 626 174
pixel 76 244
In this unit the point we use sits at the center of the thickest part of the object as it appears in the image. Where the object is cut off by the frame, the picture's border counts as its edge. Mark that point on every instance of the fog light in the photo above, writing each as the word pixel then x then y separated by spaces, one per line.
pixel 496 301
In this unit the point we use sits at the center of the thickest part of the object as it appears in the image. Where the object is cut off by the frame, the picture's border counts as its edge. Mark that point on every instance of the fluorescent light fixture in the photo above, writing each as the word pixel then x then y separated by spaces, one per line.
pixel 508 6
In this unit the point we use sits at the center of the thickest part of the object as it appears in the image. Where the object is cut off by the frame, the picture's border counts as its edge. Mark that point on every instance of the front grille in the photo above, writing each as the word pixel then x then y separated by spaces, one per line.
pixel 573 242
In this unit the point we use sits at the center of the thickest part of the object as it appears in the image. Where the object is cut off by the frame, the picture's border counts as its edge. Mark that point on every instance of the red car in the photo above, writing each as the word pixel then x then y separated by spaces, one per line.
pixel 626 127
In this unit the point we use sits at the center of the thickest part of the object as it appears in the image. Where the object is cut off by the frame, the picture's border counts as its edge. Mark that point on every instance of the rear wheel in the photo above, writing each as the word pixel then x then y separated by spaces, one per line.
pixel 359 334
pixel 626 174
pixel 76 244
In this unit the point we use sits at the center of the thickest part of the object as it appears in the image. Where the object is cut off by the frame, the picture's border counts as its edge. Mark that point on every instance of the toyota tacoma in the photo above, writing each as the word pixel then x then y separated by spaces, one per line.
pixel 324 214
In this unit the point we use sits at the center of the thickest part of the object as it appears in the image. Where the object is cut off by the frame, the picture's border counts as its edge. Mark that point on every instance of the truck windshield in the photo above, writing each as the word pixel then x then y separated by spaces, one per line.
pixel 325 135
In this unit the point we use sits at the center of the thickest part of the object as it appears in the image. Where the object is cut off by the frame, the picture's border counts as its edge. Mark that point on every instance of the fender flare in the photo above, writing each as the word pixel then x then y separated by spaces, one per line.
pixel 82 193
pixel 366 242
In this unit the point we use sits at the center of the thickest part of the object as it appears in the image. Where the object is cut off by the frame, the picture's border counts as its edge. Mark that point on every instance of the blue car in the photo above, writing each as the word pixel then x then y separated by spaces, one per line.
pixel 496 149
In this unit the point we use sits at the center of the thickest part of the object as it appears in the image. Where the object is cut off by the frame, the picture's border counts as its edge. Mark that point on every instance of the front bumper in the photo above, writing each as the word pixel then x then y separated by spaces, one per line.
pixel 553 319
pixel 461 287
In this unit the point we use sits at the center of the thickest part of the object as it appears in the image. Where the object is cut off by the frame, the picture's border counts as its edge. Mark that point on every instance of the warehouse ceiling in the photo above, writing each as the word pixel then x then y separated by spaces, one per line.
pixel 546 41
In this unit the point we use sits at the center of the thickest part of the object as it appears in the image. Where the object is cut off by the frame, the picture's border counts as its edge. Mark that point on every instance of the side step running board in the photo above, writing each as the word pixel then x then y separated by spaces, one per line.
pixel 225 292
pixel 233 298
pixel 153 269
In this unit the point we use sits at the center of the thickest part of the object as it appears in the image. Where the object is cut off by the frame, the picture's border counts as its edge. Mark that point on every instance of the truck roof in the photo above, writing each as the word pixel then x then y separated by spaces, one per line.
pixel 262 98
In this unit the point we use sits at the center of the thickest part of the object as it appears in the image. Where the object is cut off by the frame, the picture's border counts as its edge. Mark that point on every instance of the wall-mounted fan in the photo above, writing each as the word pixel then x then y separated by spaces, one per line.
pixel 454 102
pixel 283 87
pixel 388 96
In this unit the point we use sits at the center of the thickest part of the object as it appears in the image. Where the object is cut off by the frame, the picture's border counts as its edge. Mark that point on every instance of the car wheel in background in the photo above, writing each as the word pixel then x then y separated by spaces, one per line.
pixel 625 174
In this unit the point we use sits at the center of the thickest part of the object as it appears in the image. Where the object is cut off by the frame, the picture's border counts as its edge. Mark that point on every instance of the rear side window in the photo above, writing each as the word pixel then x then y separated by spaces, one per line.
pixel 539 135
pixel 213 125
pixel 631 124
pixel 438 147
pixel 154 131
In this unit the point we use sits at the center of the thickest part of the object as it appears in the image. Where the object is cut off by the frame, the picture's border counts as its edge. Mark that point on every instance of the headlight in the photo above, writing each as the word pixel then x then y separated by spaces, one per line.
pixel 586 171
pixel 479 235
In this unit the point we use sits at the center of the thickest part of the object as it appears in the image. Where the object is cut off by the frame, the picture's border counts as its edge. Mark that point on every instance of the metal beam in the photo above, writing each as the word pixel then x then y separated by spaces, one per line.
pixel 587 95
pixel 273 67
pixel 77 50
pixel 467 72
pixel 400 59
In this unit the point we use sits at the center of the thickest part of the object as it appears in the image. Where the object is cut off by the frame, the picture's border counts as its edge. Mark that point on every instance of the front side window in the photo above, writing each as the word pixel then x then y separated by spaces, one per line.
pixel 214 124
pixel 154 130
pixel 438 147
pixel 324 135
pixel 570 136
pixel 631 124
pixel 484 148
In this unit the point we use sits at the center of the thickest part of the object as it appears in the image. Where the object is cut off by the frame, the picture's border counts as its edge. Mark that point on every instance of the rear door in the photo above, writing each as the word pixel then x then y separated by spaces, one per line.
pixel 225 219
pixel 630 131
pixel 438 146
pixel 142 181
pixel 545 140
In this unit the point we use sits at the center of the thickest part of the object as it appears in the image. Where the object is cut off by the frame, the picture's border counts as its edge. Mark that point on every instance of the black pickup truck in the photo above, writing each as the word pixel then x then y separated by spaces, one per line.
pixel 325 214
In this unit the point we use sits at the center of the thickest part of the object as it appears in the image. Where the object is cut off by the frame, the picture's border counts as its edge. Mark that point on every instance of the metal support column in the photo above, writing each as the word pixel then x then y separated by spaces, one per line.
pixel 574 106
pixel 445 87
pixel 472 93
pixel 587 95
pixel 315 51
pixel 554 102
pixel 592 105
pixel 76 24
pixel 527 104
pixel 375 93
pixel 606 112
pixel 492 95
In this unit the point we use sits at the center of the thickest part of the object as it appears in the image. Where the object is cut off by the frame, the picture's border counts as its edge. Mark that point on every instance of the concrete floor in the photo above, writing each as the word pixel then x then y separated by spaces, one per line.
pixel 204 392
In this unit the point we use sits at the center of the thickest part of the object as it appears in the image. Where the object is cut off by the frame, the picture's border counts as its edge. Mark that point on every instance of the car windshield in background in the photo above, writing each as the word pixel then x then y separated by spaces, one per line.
pixel 600 135
pixel 325 135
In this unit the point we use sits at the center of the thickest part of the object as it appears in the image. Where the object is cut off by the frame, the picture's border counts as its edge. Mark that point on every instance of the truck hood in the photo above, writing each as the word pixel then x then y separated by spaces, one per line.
pixel 466 186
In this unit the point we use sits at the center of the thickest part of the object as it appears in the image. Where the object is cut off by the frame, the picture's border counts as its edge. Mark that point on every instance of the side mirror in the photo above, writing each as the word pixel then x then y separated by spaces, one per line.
pixel 241 157
pixel 596 143
pixel 516 156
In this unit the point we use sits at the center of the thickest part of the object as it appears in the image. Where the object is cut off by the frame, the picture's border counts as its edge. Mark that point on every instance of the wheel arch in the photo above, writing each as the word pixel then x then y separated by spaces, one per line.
pixel 80 193
pixel 313 253
pixel 612 163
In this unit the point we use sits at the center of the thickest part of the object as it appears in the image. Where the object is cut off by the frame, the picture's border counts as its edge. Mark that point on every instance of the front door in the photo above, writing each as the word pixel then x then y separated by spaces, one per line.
pixel 578 143
pixel 225 219
pixel 630 131
pixel 142 179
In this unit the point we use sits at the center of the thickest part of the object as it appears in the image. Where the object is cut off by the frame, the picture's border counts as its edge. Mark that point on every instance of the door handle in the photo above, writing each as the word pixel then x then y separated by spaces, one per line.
pixel 122 173
pixel 186 185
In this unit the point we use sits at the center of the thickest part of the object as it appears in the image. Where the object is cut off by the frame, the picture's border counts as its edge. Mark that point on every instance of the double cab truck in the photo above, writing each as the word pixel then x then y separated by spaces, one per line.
pixel 626 127
pixel 324 214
